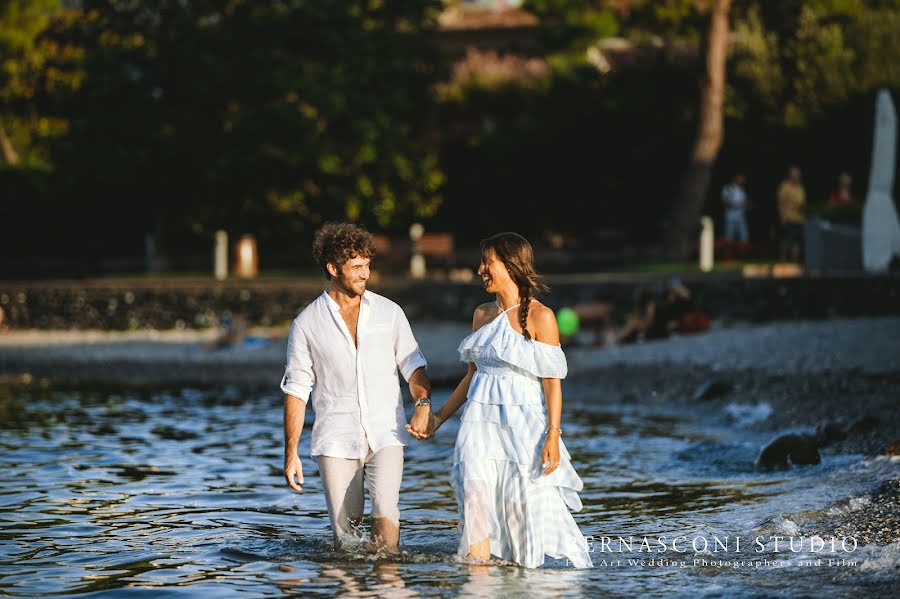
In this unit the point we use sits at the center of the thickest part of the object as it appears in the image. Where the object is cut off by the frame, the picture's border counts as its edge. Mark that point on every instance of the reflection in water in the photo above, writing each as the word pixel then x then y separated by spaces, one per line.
pixel 381 579
pixel 496 581
pixel 121 491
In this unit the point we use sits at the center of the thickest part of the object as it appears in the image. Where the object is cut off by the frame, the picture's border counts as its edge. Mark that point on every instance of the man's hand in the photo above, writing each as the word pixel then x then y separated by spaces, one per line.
pixel 293 467
pixel 421 426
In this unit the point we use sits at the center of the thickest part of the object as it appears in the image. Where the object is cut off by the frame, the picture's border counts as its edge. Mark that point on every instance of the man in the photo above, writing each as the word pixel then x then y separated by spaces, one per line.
pixel 344 351
pixel 791 198
pixel 735 199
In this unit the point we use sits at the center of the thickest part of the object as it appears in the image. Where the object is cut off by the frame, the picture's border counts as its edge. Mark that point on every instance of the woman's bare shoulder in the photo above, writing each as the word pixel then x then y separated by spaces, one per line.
pixel 484 314
pixel 543 319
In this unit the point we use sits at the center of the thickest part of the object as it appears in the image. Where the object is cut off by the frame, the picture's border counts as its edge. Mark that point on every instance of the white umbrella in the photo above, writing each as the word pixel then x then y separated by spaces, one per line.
pixel 881 228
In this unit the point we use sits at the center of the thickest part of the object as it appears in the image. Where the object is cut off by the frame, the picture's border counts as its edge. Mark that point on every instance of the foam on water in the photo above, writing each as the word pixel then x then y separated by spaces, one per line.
pixel 789 527
pixel 880 557
pixel 746 414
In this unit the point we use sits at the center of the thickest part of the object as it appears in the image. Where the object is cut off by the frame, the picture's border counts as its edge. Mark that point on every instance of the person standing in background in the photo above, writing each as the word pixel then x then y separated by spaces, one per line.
pixel 791 199
pixel 734 197
pixel 842 195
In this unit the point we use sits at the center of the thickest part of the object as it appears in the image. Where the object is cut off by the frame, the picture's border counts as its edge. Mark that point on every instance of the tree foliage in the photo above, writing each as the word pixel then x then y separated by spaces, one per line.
pixel 24 57
pixel 794 61
pixel 214 113
pixel 183 116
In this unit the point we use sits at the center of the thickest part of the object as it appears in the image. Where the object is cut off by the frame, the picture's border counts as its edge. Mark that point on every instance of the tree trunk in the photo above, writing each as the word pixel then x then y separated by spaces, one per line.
pixel 10 156
pixel 684 222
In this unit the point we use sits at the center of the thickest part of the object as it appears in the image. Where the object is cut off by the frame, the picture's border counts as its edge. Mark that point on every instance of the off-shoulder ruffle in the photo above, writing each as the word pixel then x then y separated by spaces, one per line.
pixel 498 341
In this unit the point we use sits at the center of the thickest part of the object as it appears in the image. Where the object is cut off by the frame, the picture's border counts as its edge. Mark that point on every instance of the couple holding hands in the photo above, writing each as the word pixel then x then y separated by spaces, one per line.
pixel 512 475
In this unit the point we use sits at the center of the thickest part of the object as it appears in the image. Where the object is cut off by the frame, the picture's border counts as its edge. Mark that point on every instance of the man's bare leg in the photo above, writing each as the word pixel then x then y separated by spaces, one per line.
pixel 385 534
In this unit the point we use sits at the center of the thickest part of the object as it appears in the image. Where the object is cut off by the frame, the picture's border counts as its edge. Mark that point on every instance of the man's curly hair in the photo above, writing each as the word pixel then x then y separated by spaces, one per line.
pixel 339 242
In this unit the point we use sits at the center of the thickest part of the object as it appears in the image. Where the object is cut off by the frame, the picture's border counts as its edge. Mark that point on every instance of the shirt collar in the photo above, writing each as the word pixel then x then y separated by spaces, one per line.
pixel 366 298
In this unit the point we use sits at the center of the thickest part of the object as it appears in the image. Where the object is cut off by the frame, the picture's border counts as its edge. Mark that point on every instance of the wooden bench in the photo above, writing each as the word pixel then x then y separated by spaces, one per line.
pixel 437 245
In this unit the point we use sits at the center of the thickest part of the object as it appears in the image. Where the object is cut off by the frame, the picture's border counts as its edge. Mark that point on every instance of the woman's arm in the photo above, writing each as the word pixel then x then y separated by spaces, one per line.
pixel 457 398
pixel 459 395
pixel 547 331
pixel 553 396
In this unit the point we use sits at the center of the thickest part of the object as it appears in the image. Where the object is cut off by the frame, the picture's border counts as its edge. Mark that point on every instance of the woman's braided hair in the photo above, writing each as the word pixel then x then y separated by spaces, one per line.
pixel 516 254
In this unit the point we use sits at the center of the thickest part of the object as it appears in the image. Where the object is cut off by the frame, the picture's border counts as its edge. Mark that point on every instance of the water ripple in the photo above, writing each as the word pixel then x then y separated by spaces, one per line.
pixel 111 492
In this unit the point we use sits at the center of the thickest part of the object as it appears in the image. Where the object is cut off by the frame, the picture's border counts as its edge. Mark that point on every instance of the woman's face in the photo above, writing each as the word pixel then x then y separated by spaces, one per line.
pixel 493 273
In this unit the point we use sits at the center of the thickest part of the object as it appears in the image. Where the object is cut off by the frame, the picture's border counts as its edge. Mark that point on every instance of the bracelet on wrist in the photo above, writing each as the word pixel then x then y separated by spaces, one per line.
pixel 547 432
pixel 423 401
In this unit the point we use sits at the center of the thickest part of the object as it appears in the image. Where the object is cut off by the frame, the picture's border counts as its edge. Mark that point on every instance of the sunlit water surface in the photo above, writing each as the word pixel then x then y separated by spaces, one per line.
pixel 180 493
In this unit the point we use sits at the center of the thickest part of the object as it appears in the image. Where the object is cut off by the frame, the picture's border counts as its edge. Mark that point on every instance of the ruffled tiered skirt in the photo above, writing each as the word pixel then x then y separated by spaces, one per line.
pixel 501 492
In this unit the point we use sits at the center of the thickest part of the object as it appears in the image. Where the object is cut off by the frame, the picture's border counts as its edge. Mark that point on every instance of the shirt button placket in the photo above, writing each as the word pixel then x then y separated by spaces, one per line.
pixel 363 404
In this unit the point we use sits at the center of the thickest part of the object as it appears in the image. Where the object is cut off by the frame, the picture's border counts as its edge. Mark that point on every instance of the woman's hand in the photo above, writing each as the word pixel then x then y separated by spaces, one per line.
pixel 550 453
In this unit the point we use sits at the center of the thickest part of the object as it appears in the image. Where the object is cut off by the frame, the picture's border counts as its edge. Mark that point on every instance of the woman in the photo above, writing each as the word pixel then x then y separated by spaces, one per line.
pixel 513 479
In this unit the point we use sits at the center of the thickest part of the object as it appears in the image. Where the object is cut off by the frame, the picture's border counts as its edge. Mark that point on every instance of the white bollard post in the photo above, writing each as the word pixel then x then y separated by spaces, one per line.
pixel 220 255
pixel 707 243
pixel 417 267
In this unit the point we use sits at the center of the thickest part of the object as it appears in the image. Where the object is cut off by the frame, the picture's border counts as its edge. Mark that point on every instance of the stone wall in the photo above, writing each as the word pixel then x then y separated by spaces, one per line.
pixel 123 304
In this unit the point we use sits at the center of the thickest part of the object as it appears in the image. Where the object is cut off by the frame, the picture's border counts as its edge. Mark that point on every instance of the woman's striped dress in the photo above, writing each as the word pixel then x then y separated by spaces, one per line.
pixel 501 491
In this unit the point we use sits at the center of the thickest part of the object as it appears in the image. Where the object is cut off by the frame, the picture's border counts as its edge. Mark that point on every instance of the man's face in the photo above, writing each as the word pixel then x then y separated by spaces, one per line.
pixel 353 275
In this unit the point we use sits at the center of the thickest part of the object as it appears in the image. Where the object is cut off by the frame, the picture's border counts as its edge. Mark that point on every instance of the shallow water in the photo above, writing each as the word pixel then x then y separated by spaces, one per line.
pixel 180 492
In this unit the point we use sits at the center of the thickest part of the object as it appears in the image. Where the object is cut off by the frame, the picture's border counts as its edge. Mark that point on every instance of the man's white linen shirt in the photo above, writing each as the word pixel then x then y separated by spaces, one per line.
pixel 355 391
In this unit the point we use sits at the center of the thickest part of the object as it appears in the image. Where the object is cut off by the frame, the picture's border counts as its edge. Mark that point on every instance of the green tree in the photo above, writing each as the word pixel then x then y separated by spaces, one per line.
pixel 794 61
pixel 23 54
pixel 216 114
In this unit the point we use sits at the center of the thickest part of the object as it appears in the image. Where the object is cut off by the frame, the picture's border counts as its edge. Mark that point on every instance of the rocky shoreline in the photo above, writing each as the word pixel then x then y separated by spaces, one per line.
pixel 863 405
pixel 860 404
pixel 835 382
pixel 873 519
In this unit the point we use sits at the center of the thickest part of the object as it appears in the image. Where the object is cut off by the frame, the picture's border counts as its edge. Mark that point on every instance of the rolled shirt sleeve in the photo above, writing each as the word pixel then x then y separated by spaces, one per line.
pixel 406 349
pixel 299 376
